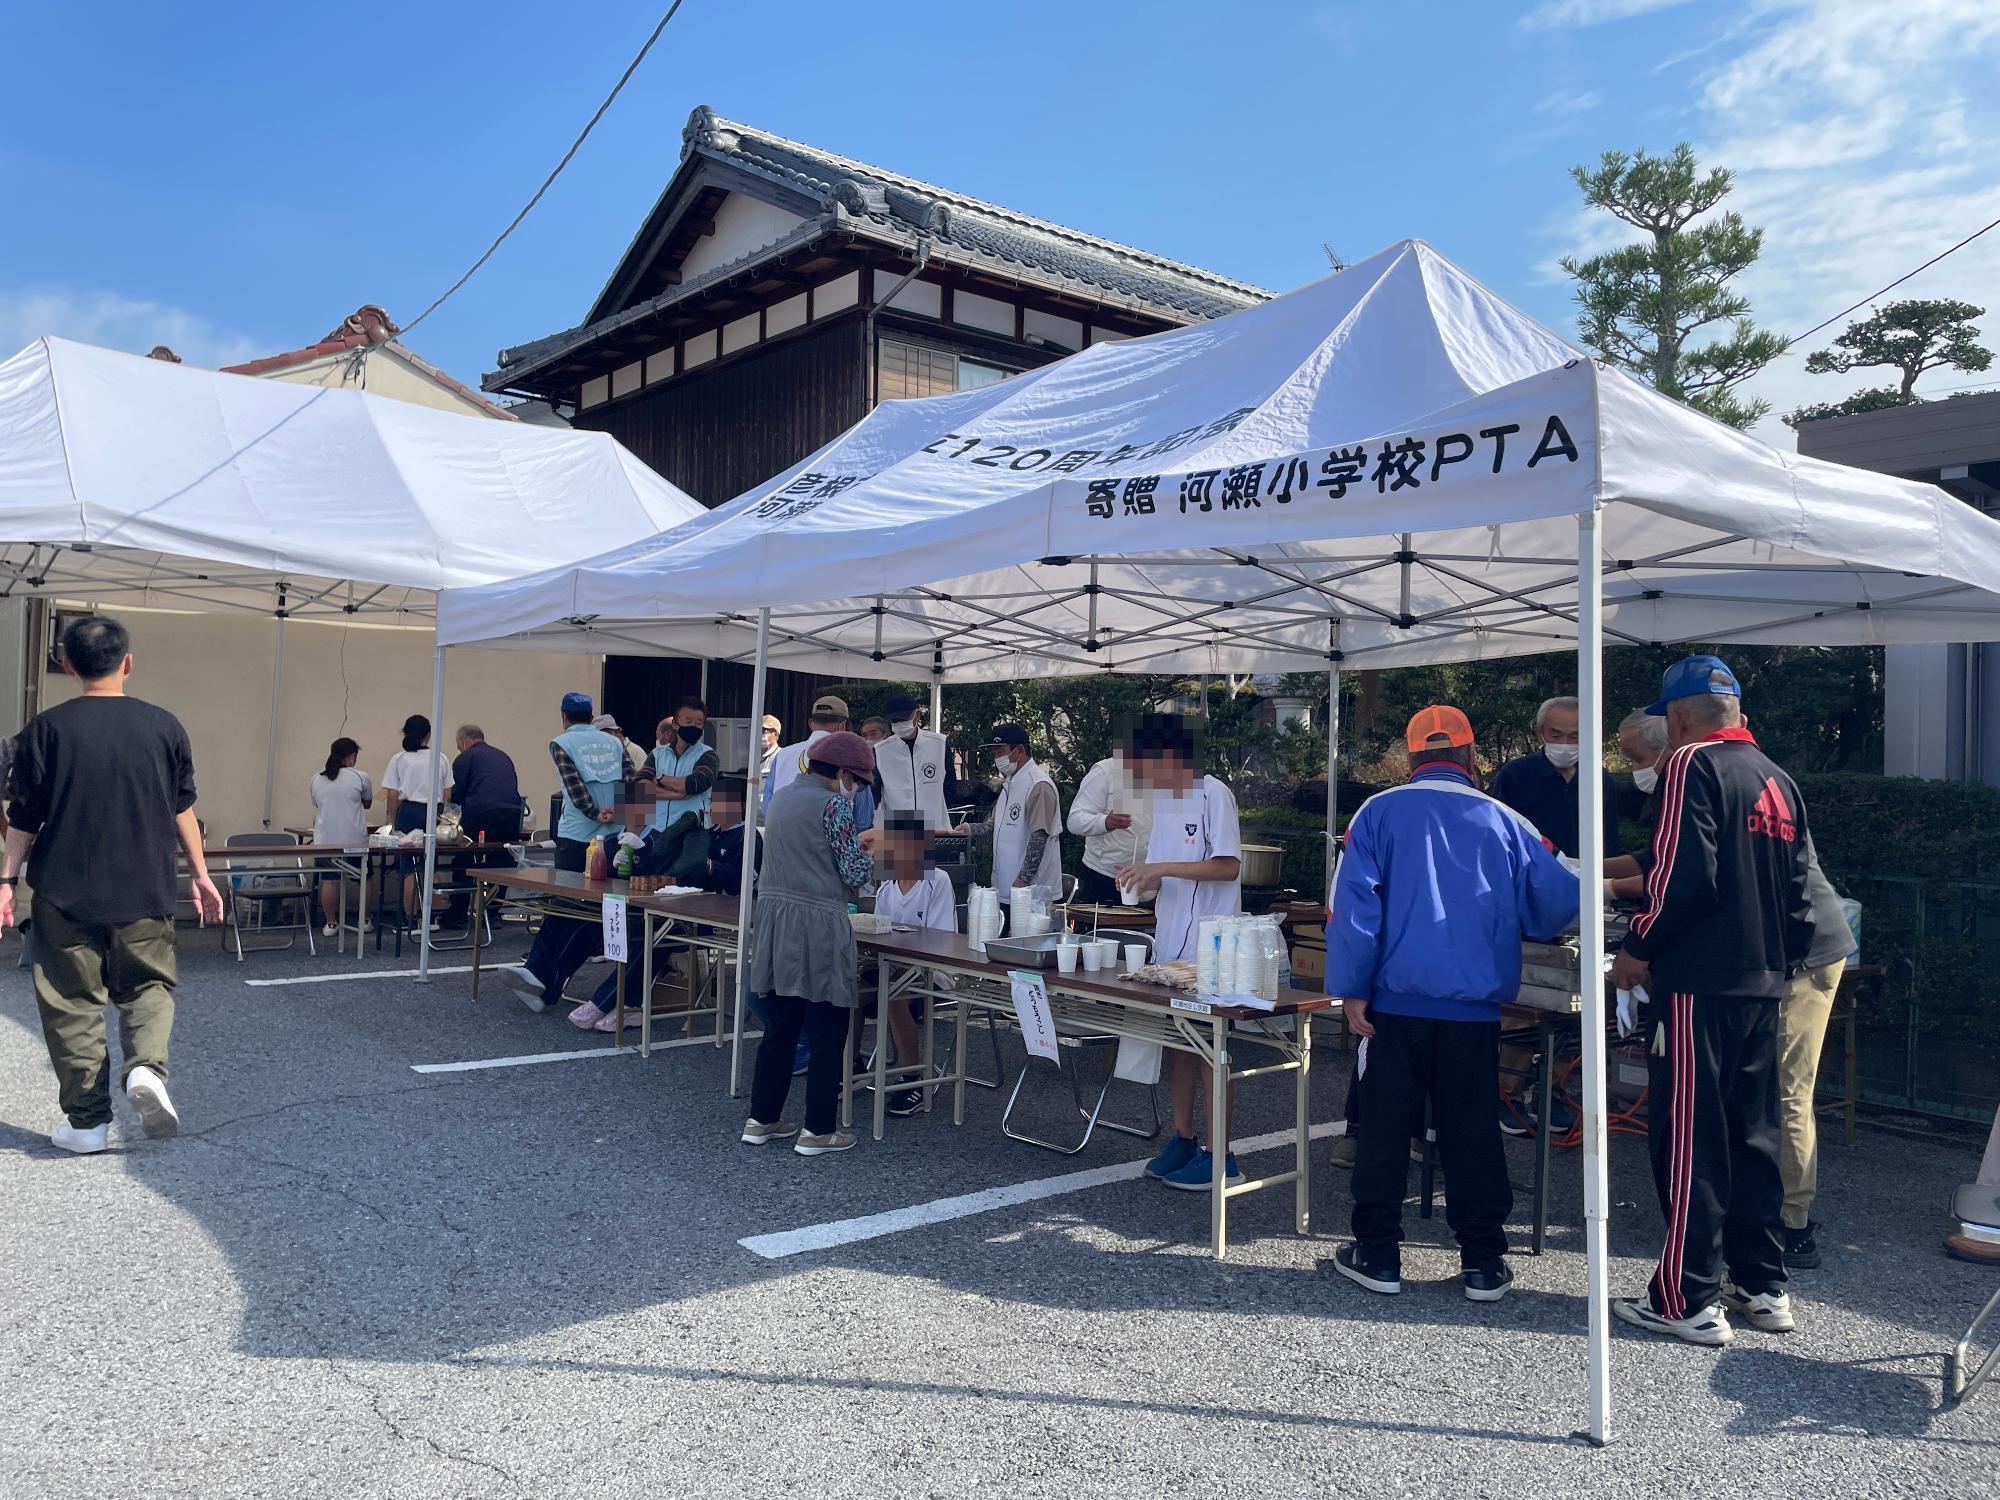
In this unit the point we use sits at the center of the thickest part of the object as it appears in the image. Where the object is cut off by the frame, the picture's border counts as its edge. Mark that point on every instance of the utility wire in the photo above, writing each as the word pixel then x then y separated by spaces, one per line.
pixel 1893 285
pixel 549 181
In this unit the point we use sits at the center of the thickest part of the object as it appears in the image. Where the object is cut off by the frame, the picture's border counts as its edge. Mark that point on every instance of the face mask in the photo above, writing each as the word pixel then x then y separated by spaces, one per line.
pixel 688 733
pixel 848 786
pixel 1646 778
pixel 905 729
pixel 1562 757
pixel 1004 766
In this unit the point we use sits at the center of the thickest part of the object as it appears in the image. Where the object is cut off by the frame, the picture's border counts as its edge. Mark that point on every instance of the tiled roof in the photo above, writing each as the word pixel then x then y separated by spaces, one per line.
pixel 854 196
pixel 369 326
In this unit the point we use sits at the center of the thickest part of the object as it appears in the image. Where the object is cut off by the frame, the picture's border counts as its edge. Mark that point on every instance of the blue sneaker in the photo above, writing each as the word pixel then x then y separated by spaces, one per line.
pixel 1562 1117
pixel 1514 1117
pixel 1178 1152
pixel 1197 1175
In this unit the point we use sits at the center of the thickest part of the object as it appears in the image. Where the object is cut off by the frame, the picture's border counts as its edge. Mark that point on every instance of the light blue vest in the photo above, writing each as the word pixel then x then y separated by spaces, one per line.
pixel 600 761
pixel 676 760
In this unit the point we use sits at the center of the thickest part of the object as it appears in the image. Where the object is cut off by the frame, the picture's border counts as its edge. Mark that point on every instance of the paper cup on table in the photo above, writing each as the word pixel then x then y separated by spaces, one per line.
pixel 1093 956
pixel 1066 957
pixel 1107 954
pixel 1135 955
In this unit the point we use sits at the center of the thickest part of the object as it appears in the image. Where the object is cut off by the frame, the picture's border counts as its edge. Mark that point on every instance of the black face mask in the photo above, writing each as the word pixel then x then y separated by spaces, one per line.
pixel 689 733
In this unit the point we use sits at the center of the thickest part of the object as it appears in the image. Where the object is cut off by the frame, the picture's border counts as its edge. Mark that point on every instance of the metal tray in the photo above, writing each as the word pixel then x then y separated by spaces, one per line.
pixel 1037 952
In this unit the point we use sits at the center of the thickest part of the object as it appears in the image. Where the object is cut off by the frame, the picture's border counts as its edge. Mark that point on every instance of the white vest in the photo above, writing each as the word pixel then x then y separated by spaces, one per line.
pixel 912 774
pixel 1011 833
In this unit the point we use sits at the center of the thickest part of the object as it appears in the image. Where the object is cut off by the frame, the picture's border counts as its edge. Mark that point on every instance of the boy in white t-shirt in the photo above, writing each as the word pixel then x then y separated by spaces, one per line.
pixel 1193 860
pixel 916 894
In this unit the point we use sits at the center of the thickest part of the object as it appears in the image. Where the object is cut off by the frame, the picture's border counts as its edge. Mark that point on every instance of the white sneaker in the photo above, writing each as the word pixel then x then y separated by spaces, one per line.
pixel 1705 1325
pixel 82 1142
pixel 1769 1312
pixel 328 930
pixel 527 988
pixel 147 1092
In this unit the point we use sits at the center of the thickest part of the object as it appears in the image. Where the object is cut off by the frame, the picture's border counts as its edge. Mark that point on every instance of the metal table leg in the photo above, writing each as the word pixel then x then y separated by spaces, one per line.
pixel 1303 1195
pixel 1545 1093
pixel 1218 1136
pixel 881 1044
pixel 958 1037
pixel 646 984
pixel 479 889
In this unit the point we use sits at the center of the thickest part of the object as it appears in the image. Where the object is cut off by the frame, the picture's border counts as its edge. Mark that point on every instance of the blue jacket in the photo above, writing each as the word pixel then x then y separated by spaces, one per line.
pixel 1438 885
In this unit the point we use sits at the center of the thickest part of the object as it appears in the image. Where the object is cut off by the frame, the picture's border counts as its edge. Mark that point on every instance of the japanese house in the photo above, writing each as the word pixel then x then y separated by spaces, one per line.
pixel 777 291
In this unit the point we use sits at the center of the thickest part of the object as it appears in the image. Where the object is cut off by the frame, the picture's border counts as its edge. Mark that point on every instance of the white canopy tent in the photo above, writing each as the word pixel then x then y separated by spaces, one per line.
pixel 1389 467
pixel 133 481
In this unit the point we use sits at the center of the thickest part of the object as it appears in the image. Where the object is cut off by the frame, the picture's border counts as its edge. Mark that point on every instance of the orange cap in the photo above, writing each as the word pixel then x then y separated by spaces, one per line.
pixel 1438 720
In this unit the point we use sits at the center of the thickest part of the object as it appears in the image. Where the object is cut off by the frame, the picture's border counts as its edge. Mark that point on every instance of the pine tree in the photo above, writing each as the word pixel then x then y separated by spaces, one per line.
pixel 1643 303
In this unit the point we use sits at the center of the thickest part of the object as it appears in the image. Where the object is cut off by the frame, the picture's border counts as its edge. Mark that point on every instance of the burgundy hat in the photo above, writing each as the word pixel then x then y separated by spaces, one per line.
pixel 846 750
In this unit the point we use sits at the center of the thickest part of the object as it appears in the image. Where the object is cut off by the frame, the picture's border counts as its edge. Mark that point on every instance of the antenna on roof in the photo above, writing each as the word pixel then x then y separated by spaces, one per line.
pixel 1333 257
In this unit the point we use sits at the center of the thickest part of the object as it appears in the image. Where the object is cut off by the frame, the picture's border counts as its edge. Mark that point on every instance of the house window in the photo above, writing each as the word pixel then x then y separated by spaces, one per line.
pixel 913 370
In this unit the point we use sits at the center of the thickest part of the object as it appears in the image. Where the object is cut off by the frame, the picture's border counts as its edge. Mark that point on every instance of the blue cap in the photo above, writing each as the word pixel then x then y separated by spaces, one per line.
pixel 1695 677
pixel 575 704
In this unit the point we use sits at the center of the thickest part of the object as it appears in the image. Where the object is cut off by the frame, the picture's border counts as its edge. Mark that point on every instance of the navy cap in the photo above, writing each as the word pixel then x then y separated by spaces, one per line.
pixel 900 705
pixel 1006 734
pixel 574 704
pixel 1695 677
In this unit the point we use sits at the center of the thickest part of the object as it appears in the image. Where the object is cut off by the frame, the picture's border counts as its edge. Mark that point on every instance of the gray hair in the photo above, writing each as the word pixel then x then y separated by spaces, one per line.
pixel 1542 713
pixel 1649 729
pixel 471 732
pixel 1710 710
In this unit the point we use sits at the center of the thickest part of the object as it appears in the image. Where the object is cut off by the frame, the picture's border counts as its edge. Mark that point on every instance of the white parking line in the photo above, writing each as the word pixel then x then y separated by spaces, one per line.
pixel 347 974
pixel 894 1221
pixel 548 1057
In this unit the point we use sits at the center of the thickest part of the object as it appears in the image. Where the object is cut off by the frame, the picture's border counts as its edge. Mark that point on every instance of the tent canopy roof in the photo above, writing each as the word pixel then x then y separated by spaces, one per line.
pixel 132 480
pixel 1385 463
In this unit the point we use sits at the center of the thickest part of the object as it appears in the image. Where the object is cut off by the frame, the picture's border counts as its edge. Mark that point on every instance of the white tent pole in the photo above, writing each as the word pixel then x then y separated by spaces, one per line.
pixel 1332 754
pixel 753 799
pixel 1590 941
pixel 1203 710
pixel 702 691
pixel 431 817
pixel 277 687
pixel 937 691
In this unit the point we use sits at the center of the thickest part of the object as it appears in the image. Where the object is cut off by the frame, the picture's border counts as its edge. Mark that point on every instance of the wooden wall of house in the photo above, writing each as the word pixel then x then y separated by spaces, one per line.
pixel 715 433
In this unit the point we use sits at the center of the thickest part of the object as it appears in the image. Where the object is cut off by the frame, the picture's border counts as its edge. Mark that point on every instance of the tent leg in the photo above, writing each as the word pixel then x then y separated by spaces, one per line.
pixel 1332 756
pixel 431 818
pixel 702 691
pixel 271 739
pixel 1591 852
pixel 753 798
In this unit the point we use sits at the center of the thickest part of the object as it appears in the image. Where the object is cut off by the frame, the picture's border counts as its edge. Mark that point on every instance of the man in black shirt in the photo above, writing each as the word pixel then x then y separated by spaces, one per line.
pixel 1542 787
pixel 488 794
pixel 103 788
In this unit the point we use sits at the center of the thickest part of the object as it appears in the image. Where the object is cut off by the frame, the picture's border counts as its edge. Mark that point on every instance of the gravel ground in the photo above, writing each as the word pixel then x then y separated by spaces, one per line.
pixel 346 1278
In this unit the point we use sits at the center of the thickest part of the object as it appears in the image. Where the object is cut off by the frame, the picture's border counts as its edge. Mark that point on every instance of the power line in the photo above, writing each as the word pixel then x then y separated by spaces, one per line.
pixel 549 181
pixel 1893 285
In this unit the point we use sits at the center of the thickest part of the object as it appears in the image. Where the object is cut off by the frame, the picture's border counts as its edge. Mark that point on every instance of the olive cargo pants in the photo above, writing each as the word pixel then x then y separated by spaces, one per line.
pixel 81 967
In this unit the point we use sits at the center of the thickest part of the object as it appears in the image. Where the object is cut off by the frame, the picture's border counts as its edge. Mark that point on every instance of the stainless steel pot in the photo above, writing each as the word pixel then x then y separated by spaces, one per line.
pixel 1263 864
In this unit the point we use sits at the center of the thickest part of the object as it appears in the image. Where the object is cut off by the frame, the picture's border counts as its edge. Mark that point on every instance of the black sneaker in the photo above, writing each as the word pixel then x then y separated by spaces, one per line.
pixel 1377 1273
pixel 1801 1249
pixel 1486 1283
pixel 904 1102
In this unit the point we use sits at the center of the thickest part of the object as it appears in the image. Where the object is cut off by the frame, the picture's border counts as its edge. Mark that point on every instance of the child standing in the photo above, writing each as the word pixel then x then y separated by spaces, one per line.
pixel 916 894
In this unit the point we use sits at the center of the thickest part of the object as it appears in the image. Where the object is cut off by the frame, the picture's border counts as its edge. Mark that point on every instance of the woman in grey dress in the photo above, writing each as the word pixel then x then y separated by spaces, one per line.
pixel 802 945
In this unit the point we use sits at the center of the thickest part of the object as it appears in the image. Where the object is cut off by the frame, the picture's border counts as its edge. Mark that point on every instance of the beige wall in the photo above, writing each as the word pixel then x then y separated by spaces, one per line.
pixel 214 673
pixel 381 374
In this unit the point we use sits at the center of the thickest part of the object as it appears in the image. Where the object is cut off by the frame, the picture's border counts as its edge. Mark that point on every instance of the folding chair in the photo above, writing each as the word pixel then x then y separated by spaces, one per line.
pixel 1973 1204
pixel 1091 1113
pixel 263 883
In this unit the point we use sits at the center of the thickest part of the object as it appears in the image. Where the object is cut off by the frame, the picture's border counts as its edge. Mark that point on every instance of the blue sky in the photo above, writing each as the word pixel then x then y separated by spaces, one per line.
pixel 235 178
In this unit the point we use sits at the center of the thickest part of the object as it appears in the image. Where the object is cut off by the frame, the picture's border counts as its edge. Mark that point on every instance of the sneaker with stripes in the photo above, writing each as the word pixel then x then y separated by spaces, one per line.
pixel 1706 1326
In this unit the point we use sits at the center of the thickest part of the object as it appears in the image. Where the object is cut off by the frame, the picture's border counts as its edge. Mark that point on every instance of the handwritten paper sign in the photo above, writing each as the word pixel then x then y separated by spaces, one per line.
pixel 1031 1007
pixel 615 947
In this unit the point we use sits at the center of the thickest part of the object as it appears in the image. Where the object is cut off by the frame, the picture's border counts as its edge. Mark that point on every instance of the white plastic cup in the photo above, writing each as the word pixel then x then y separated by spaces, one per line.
pixel 1129 894
pixel 1066 957
pixel 1093 956
pixel 1135 956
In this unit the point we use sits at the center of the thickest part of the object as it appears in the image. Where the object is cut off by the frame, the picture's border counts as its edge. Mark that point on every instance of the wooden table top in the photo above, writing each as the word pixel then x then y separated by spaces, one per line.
pixel 700 906
pixel 952 948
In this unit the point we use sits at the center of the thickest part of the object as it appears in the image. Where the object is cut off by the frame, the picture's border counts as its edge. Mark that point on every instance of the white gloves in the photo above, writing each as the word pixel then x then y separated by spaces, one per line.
pixel 1628 1010
pixel 630 840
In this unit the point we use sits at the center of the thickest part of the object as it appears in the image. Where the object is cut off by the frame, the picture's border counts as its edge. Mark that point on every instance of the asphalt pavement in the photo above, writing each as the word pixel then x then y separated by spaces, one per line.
pixel 349 1278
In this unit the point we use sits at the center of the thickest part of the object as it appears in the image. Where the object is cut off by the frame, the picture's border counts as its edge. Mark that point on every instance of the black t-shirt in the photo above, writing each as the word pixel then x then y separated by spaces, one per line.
pixel 99 781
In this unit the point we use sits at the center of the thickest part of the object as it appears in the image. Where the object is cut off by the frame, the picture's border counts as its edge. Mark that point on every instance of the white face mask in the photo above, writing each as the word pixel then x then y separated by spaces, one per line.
pixel 1005 766
pixel 1645 778
pixel 848 786
pixel 1562 757
pixel 904 729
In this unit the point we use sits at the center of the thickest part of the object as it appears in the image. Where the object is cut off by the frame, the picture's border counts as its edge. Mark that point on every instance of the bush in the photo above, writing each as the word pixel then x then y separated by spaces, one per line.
pixel 1900 825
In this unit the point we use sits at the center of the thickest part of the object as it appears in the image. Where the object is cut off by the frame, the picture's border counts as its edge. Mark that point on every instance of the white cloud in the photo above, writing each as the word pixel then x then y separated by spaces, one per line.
pixel 118 322
pixel 1855 132
pixel 1569 102
pixel 1591 12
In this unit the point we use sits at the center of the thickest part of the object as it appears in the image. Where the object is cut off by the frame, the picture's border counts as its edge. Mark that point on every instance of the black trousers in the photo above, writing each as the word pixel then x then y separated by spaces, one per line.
pixel 500 825
pixel 1096 889
pixel 1712 1065
pixel 564 944
pixel 825 1028
pixel 1451 1065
